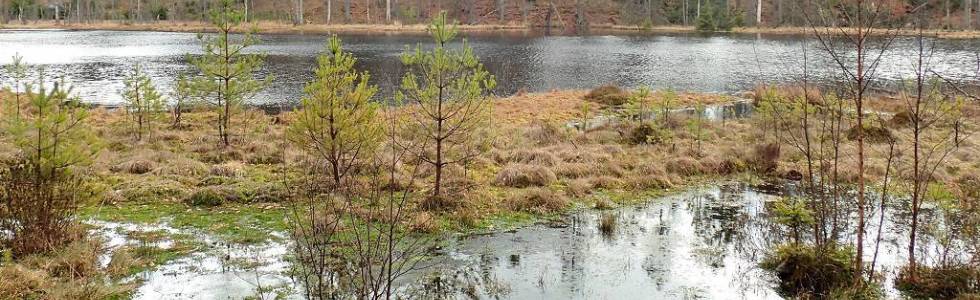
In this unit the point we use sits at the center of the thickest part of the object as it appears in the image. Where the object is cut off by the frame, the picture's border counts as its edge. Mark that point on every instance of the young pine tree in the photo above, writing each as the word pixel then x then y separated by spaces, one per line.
pixel 17 71
pixel 227 73
pixel 450 89
pixel 338 122
pixel 181 95
pixel 41 187
pixel 143 102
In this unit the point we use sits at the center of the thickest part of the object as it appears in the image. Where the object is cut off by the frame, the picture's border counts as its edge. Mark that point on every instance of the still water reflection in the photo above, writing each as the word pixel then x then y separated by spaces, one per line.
pixel 96 61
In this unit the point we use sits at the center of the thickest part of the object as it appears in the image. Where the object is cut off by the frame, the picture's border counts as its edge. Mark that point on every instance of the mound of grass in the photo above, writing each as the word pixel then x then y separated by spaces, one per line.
pixel 607 225
pixel 610 95
pixel 766 157
pixel 521 175
pixel 537 200
pixel 71 272
pixel 209 197
pixel 647 134
pixel 806 271
pixel 942 282
pixel 872 134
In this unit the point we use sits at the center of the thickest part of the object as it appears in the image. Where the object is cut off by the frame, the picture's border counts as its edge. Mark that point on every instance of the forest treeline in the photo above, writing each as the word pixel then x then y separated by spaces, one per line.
pixel 571 15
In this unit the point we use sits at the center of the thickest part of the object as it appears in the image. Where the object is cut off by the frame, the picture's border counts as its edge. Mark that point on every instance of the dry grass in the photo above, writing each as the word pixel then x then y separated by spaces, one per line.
pixel 68 273
pixel 522 175
pixel 537 200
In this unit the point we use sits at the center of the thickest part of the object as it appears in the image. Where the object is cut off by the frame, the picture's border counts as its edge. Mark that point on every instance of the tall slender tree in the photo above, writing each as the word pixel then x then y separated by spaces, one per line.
pixel 227 73
pixel 143 102
pixel 338 123
pixel 450 90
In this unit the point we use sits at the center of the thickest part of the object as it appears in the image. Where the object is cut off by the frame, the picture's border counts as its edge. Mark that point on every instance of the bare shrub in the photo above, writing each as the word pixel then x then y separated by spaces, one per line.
pixel 521 175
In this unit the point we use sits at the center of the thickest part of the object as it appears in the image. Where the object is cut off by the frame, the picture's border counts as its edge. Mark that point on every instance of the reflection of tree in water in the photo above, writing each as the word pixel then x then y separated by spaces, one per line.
pixel 733 223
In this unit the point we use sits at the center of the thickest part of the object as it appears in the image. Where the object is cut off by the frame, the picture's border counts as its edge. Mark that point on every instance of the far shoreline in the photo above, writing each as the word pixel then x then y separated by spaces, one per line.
pixel 279 28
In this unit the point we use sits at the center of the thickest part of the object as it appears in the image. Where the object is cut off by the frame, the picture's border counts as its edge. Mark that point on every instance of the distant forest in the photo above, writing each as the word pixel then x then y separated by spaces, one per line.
pixel 578 14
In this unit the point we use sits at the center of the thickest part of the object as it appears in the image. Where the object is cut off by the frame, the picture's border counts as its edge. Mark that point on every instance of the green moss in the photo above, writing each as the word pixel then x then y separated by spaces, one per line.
pixel 234 223
pixel 207 197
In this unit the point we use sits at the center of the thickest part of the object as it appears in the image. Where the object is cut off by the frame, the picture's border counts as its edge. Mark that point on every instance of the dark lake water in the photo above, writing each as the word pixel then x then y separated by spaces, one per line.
pixel 95 62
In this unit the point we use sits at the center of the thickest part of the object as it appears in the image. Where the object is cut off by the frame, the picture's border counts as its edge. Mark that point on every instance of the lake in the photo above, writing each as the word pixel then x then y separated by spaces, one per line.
pixel 95 62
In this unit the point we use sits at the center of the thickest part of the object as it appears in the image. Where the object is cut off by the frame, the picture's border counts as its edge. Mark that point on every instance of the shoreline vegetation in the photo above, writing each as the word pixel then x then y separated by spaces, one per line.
pixel 271 27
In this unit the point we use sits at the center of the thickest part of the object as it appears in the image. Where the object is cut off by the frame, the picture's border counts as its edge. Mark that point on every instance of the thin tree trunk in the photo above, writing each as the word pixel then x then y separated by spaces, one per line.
pixel 347 12
pixel 388 11
pixel 758 13
pixel 967 15
pixel 699 9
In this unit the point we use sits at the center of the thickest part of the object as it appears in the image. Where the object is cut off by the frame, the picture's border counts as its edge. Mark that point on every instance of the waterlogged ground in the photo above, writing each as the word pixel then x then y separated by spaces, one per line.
pixel 210 269
pixel 703 243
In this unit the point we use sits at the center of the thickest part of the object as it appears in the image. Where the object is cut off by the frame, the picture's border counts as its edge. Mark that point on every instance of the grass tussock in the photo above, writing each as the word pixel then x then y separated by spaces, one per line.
pixel 610 95
pixel 607 225
pixel 943 282
pixel 537 200
pixel 70 272
pixel 523 175
pixel 806 271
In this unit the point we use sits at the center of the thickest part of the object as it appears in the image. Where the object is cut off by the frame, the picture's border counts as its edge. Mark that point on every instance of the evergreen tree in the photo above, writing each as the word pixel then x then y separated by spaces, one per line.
pixel 450 88
pixel 18 73
pixel 41 189
pixel 227 73
pixel 143 102
pixel 338 122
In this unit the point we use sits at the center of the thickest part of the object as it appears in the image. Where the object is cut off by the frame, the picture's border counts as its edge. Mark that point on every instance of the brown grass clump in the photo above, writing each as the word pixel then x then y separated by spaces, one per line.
pixel 442 203
pixel 608 95
pixel 522 175
pixel 603 203
pixel 536 157
pixel 423 222
pixel 68 273
pixel 183 166
pixel 576 170
pixel 121 263
pixel 872 134
pixel 765 158
pixel 138 166
pixel 606 182
pixel 578 188
pixel 948 282
pixel 901 119
pixel 547 133
pixel 537 200
pixel 607 225
pixel 685 166
pixel 232 170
